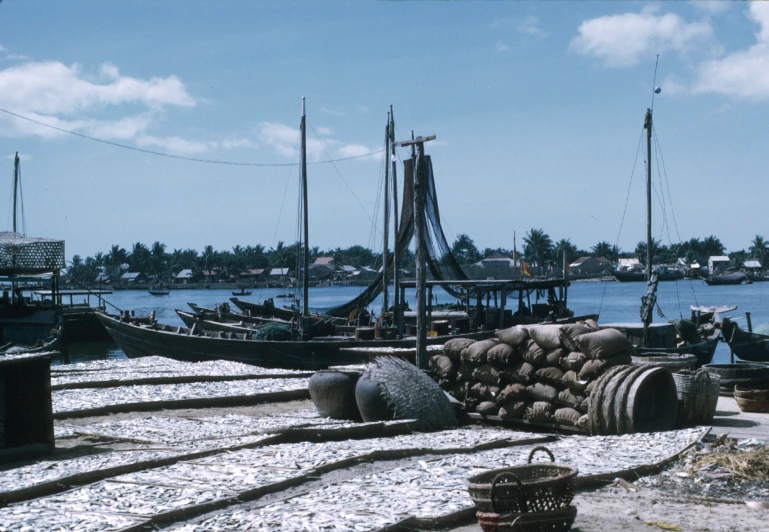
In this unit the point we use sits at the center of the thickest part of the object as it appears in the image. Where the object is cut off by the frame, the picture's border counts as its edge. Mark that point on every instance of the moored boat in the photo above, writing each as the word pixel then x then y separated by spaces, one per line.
pixel 728 279
pixel 747 346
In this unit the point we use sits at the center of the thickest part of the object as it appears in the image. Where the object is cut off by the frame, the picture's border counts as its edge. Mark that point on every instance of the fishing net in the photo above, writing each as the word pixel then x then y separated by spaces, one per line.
pixel 272 331
pixel 441 262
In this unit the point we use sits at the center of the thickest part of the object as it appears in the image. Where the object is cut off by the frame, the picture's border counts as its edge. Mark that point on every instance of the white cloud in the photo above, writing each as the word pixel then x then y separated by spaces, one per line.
pixel 232 144
pixel 530 26
pixel 743 74
pixel 712 7
pixel 22 156
pixel 325 131
pixel 500 47
pixel 285 141
pixel 176 145
pixel 621 40
pixel 332 111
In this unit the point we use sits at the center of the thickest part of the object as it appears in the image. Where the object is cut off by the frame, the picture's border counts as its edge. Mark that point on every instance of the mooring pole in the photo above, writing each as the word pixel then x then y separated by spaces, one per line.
pixel 420 194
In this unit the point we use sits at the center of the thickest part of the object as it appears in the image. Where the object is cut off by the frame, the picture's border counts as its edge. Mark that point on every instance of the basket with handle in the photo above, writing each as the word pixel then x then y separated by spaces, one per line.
pixel 697 397
pixel 534 487
pixel 552 521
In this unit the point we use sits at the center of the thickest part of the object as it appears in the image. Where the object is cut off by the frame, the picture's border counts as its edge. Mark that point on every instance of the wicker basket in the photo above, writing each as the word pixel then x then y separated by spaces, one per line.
pixel 554 521
pixel 525 488
pixel 697 397
pixel 753 397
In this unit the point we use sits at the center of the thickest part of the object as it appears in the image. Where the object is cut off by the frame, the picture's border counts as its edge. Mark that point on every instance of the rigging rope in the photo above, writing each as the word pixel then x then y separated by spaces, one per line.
pixel 624 211
pixel 181 157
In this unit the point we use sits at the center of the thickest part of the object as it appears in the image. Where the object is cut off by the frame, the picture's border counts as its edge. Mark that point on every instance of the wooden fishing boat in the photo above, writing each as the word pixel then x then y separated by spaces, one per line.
pixel 213 323
pixel 242 292
pixel 191 344
pixel 266 309
pixel 159 291
pixel 747 346
pixel 703 350
pixel 727 279
pixel 52 343
pixel 637 276
pixel 224 314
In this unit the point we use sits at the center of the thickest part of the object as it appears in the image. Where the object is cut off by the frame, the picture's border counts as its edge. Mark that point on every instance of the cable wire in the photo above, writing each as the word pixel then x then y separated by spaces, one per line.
pixel 180 157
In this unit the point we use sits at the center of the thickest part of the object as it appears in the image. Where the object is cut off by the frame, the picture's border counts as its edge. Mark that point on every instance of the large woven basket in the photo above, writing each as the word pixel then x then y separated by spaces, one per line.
pixel 753 397
pixel 697 397
pixel 525 488
pixel 554 521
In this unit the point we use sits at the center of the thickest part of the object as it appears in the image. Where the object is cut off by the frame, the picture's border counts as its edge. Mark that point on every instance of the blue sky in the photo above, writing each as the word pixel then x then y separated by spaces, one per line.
pixel 537 107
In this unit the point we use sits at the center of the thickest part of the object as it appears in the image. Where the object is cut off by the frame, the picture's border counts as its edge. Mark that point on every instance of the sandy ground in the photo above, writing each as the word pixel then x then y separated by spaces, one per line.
pixel 615 508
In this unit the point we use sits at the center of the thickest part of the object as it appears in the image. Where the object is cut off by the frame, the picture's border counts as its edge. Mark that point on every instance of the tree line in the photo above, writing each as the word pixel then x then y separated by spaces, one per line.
pixel 538 249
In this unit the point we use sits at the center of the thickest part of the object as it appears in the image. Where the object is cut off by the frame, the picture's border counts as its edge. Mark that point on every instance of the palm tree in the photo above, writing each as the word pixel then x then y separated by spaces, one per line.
pixel 603 249
pixel 537 246
pixel 464 250
pixel 640 250
pixel 759 249
pixel 139 258
pixel 565 245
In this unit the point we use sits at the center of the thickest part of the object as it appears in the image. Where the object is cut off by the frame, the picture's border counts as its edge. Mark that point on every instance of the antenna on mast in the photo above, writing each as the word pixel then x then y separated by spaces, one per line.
pixel 655 88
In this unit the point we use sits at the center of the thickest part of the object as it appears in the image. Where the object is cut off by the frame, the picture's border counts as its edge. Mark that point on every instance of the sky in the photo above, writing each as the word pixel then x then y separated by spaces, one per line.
pixel 538 110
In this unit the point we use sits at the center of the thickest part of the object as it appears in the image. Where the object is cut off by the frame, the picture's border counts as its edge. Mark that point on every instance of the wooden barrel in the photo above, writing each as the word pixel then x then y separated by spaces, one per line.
pixel 333 394
pixel 629 399
pixel 365 333
pixel 440 327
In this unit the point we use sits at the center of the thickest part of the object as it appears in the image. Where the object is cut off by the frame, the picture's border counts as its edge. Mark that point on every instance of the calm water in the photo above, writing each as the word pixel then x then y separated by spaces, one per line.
pixel 616 302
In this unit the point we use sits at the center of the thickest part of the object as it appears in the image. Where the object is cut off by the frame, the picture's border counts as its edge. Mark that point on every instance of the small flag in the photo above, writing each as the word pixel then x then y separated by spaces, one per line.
pixel 525 269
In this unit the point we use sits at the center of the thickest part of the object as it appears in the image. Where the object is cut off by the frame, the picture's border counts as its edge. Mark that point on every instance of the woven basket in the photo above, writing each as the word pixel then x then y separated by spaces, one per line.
pixel 525 488
pixel 697 397
pixel 554 521
pixel 753 397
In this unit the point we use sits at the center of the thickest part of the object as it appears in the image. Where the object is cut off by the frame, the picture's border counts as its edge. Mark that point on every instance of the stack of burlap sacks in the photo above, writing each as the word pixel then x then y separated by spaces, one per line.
pixel 531 372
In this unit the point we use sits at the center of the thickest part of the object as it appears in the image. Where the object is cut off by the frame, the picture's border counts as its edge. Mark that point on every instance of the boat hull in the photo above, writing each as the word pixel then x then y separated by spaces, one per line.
pixel 747 346
pixel 729 279
pixel 704 351
pixel 137 341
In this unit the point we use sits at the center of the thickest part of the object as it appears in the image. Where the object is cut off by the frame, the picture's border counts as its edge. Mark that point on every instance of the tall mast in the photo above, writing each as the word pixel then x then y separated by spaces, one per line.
pixel 15 188
pixel 648 127
pixel 306 258
pixel 396 255
pixel 386 216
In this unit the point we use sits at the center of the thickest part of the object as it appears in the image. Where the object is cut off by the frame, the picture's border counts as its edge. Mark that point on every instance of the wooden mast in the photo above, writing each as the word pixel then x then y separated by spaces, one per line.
pixel 15 188
pixel 386 217
pixel 648 127
pixel 420 196
pixel 306 257
pixel 396 255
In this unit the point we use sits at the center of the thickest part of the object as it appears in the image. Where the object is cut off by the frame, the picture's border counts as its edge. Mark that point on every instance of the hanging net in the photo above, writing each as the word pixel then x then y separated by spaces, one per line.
pixel 441 262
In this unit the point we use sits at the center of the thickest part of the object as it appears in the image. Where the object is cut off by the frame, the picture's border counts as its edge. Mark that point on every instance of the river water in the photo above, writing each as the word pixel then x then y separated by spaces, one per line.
pixel 615 302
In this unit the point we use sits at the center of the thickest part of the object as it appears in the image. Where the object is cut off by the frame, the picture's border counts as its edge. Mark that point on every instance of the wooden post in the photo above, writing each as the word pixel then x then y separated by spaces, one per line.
pixel 306 257
pixel 750 323
pixel 502 309
pixel 386 219
pixel 396 255
pixel 649 241
pixel 429 307
pixel 420 197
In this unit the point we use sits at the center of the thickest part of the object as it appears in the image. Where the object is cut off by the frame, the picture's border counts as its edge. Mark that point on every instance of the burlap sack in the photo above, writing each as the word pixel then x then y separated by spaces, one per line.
pixel 547 337
pixel 572 381
pixel 514 336
pixel 487 408
pixel 553 358
pixel 567 416
pixel 539 411
pixel 442 368
pixel 570 399
pixel 541 392
pixel 453 348
pixel 476 353
pixel 551 376
pixel 573 361
pixel 522 372
pixel 604 343
pixel 501 356
pixel 592 369
pixel 533 354
pixel 511 393
pixel 570 332
pixel 487 374
pixel 514 410
pixel 484 392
